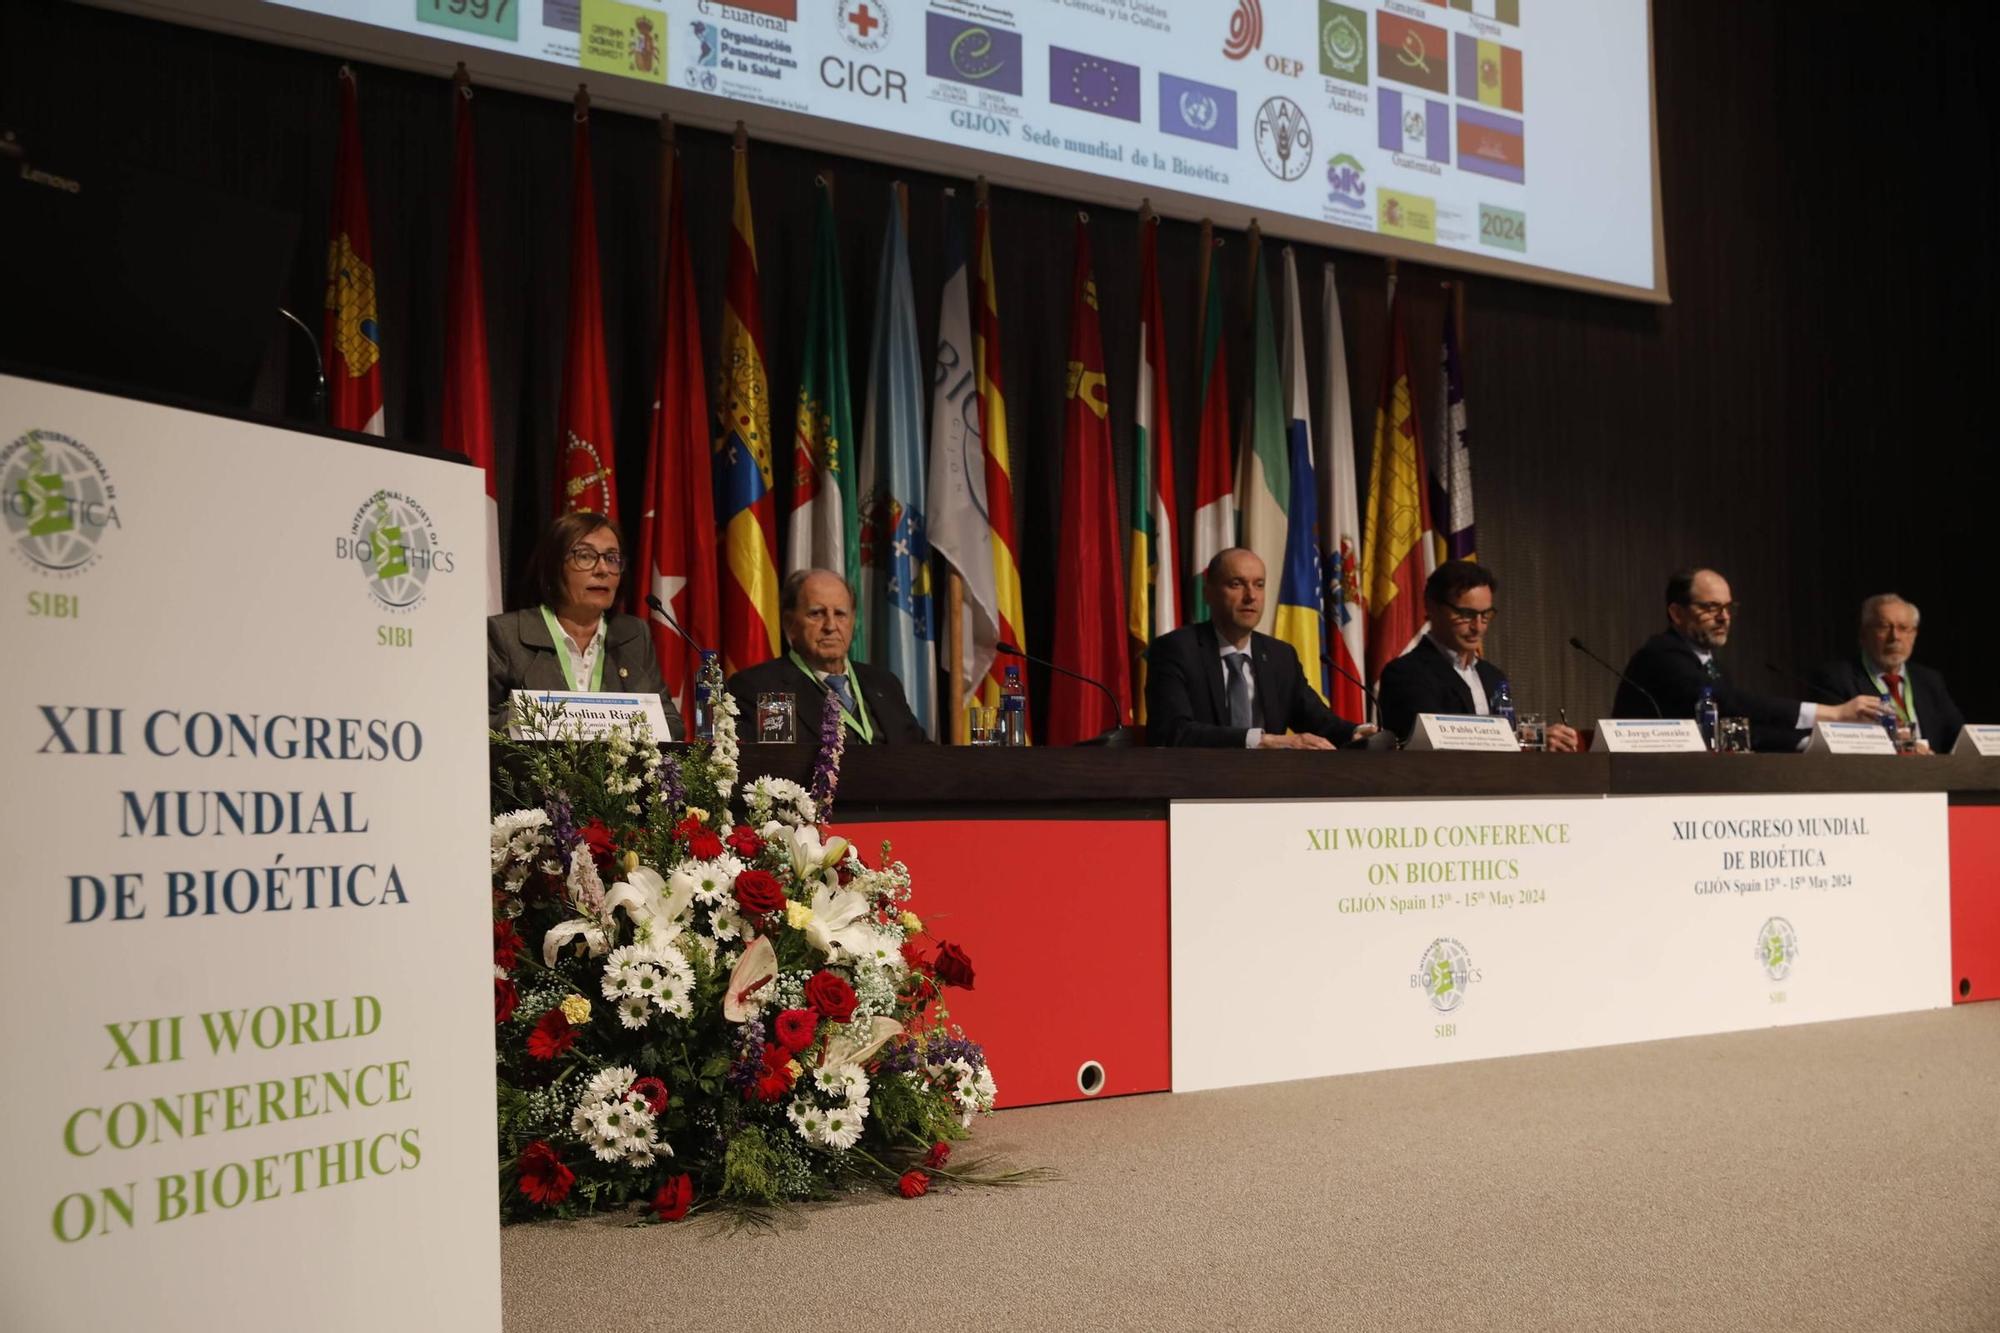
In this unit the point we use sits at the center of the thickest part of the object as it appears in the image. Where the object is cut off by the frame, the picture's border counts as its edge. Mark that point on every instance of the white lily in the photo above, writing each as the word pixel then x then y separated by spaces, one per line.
pixel 753 972
pixel 840 923
pixel 592 922
pixel 850 1049
pixel 655 911
pixel 812 859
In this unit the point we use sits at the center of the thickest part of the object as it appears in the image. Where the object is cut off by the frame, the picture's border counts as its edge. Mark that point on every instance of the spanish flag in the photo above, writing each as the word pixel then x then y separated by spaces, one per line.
pixel 353 340
pixel 743 500
pixel 585 475
pixel 993 433
pixel 1398 548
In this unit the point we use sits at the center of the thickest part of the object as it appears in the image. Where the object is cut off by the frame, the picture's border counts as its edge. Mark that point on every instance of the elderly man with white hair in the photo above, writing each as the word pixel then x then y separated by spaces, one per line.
pixel 1883 668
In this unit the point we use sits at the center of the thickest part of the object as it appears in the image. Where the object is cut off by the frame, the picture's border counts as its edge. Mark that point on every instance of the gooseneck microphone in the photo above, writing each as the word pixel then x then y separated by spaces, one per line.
pixel 1119 735
pixel 660 608
pixel 1577 644
pixel 1374 706
pixel 1809 689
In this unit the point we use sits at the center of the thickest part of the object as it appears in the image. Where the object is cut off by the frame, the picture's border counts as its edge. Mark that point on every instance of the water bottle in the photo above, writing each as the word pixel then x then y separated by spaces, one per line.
pixel 1890 722
pixel 705 682
pixel 1502 704
pixel 1705 714
pixel 1013 709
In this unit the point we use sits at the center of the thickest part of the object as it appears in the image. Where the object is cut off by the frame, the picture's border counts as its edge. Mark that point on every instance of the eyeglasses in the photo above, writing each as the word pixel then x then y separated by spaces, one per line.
pixel 1466 616
pixel 586 558
pixel 1716 609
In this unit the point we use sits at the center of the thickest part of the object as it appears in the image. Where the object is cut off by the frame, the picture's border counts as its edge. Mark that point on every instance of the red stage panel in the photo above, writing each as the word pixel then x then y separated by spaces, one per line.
pixel 1975 902
pixel 1066 925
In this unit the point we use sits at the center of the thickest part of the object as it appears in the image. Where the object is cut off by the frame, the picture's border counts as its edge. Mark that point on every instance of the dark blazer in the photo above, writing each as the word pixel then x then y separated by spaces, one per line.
pixel 1667 666
pixel 881 692
pixel 1937 715
pixel 1186 703
pixel 520 655
pixel 1422 681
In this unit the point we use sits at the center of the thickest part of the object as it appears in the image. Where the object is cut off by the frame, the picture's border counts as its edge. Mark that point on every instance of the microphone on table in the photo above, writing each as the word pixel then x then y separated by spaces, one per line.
pixel 1826 695
pixel 1577 644
pixel 1119 735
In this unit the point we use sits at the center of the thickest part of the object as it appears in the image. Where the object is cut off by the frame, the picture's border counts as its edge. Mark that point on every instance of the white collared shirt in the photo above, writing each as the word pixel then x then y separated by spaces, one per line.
pixel 1254 737
pixel 585 659
pixel 1468 674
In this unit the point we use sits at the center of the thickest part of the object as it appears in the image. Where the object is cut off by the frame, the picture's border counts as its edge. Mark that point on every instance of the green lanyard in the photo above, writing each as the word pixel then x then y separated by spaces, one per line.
pixel 1905 709
pixel 562 653
pixel 857 722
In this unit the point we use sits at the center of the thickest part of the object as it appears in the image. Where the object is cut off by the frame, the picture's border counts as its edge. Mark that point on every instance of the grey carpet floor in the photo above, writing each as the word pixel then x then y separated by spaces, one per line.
pixel 1837 1176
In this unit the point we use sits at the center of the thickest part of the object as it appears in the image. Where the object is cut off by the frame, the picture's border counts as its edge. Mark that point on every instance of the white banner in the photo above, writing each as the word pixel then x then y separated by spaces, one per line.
pixel 245 1005
pixel 1420 932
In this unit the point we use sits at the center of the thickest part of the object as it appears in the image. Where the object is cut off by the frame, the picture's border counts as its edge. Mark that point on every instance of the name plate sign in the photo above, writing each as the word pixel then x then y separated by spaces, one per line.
pixel 1850 738
pixel 1631 735
pixel 1462 731
pixel 1980 739
pixel 580 715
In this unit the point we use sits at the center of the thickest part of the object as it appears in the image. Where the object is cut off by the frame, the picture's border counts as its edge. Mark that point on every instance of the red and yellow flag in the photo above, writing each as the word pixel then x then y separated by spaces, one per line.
pixel 352 339
pixel 999 471
pixel 742 458
pixel 584 473
pixel 1397 551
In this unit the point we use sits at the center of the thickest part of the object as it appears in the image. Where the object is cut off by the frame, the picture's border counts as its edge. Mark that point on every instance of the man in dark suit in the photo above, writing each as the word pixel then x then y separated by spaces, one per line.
pixel 1917 693
pixel 1445 672
pixel 816 608
pixel 1666 676
pixel 1220 683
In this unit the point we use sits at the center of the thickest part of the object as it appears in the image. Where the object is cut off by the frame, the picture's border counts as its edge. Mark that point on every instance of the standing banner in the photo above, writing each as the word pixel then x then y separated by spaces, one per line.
pixel 245 1008
pixel 1422 932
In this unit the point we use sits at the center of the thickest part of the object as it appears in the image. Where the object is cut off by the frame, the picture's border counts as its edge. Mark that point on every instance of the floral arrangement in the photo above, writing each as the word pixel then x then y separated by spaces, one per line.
pixel 698 1010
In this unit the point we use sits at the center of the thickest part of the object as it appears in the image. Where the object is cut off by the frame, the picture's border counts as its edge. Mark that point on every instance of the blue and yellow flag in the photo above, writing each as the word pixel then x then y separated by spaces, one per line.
pixel 1299 621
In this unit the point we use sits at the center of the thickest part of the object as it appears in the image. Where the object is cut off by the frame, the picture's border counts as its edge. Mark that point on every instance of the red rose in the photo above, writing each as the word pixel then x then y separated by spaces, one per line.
pixel 505 997
pixel 701 840
pixel 939 1154
pixel 544 1178
pixel 744 841
pixel 795 1029
pixel 551 1036
pixel 758 892
pixel 655 1093
pixel 912 1184
pixel 670 1201
pixel 773 1086
pixel 506 944
pixel 598 838
pixel 830 995
pixel 953 967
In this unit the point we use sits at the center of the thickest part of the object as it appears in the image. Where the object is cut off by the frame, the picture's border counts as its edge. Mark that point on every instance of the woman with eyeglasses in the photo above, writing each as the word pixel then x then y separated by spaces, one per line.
pixel 573 639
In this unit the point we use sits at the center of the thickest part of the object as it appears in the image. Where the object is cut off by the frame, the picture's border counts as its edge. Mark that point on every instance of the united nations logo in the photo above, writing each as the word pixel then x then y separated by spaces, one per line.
pixel 1340 42
pixel 1444 973
pixel 395 543
pixel 864 23
pixel 1284 139
pixel 58 501
pixel 1777 948
pixel 1199 111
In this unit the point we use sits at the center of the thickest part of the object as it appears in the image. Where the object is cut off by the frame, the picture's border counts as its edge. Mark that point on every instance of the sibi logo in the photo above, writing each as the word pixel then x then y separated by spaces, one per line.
pixel 1347 182
pixel 1284 138
pixel 57 500
pixel 396 545
pixel 1777 948
pixel 864 23
pixel 1444 974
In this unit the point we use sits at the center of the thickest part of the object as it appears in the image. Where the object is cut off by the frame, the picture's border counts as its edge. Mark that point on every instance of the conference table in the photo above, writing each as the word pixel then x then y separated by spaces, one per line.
pixel 1051 867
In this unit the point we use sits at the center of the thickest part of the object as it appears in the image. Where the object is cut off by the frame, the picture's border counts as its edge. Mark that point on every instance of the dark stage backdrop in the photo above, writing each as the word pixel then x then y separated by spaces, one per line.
pixel 1808 416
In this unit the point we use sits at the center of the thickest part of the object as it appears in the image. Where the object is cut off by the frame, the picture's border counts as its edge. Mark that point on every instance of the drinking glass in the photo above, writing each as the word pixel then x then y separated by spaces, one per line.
pixel 1532 730
pixel 982 724
pixel 1733 735
pixel 777 717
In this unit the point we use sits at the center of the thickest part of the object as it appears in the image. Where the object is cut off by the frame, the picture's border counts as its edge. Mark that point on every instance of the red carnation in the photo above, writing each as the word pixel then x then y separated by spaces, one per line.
pixel 505 997
pixel 773 1086
pixel 544 1178
pixel 795 1029
pixel 506 944
pixel 552 1036
pixel 912 1184
pixel 919 990
pixel 744 841
pixel 701 840
pixel 670 1201
pixel 830 995
pixel 777 1060
pixel 953 967
pixel 598 838
pixel 913 954
pixel 655 1093
pixel 758 892
pixel 939 1154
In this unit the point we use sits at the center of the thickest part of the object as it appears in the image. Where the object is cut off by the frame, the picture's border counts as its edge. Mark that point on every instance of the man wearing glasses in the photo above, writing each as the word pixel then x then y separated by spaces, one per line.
pixel 1671 669
pixel 1446 672
pixel 1883 666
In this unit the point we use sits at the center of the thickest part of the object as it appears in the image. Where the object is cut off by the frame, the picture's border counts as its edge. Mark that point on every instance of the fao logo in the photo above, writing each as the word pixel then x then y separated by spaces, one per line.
pixel 1284 138
pixel 864 23
pixel 394 542
pixel 1777 948
pixel 1444 973
pixel 58 501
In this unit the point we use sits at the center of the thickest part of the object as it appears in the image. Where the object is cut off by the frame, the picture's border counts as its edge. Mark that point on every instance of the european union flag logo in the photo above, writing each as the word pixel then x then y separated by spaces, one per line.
pixel 1093 83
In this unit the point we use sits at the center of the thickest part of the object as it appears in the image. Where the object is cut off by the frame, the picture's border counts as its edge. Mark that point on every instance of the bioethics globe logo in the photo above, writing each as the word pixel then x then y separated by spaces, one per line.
pixel 58 501
pixel 1444 974
pixel 396 545
pixel 1777 948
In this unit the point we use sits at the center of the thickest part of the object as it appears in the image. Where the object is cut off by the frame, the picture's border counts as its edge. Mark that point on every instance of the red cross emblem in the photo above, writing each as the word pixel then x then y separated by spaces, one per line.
pixel 864 22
